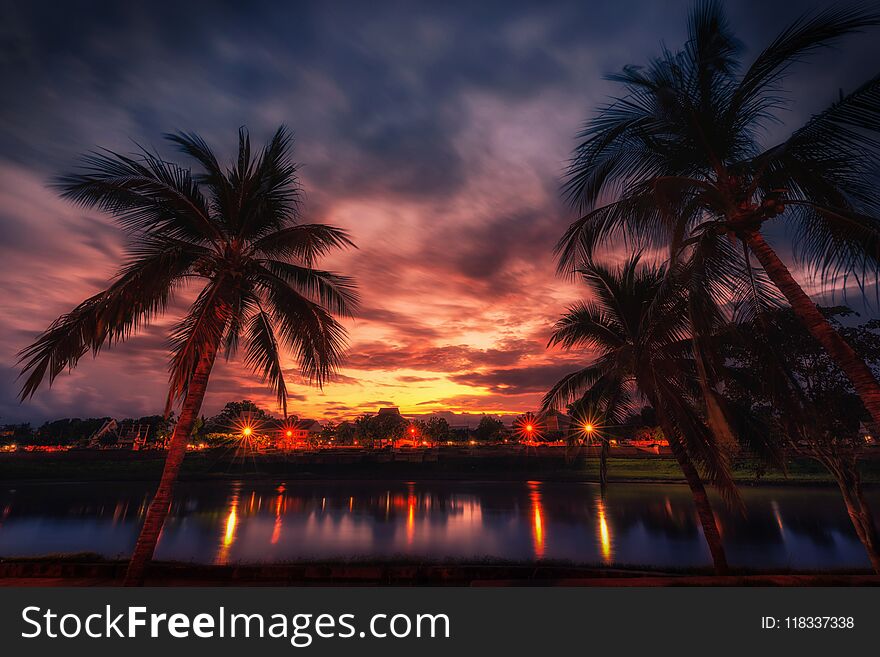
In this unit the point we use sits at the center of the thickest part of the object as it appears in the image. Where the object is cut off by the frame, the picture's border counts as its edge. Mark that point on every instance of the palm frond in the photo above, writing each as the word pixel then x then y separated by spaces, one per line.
pixel 571 387
pixel 264 356
pixel 809 34
pixel 315 337
pixel 145 195
pixel 243 305
pixel 303 242
pixel 213 178
pixel 335 292
pixel 832 241
pixel 586 325
pixel 141 291
pixel 268 187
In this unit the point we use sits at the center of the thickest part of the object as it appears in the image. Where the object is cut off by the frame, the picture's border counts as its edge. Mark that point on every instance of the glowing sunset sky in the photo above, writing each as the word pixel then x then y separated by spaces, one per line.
pixel 435 135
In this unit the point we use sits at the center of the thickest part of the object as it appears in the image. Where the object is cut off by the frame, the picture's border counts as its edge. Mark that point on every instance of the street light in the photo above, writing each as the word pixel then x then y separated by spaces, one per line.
pixel 247 431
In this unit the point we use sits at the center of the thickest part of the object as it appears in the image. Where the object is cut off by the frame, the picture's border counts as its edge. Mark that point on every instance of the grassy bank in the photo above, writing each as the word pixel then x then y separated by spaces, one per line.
pixel 450 465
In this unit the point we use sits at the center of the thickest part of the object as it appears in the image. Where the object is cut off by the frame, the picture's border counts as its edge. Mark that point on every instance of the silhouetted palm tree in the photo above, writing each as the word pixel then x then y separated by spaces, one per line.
pixel 681 156
pixel 637 328
pixel 237 231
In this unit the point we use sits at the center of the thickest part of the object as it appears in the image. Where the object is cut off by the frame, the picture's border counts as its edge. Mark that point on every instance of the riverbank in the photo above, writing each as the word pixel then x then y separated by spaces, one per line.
pixel 546 464
pixel 74 571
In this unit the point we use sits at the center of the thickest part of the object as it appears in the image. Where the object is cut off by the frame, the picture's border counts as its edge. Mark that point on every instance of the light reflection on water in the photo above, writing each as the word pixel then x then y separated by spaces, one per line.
pixel 604 532
pixel 279 515
pixel 635 524
pixel 537 518
pixel 231 523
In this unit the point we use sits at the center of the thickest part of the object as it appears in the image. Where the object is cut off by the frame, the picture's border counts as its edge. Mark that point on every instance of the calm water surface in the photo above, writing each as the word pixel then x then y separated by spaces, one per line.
pixel 804 528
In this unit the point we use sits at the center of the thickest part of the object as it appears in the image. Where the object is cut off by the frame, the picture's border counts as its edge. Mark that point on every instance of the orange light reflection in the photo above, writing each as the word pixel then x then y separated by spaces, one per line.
pixel 231 524
pixel 537 518
pixel 410 516
pixel 279 505
pixel 231 521
pixel 605 545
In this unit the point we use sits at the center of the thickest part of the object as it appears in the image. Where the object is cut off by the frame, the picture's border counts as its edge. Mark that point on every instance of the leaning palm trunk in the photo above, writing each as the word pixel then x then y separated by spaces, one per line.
pixel 161 504
pixel 845 469
pixel 701 502
pixel 862 518
pixel 859 374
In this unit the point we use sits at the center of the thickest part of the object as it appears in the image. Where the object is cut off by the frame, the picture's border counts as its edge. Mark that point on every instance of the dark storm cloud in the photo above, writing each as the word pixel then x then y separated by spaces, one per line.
pixel 489 248
pixel 405 325
pixel 517 380
pixel 448 358
pixel 416 379
pixel 381 89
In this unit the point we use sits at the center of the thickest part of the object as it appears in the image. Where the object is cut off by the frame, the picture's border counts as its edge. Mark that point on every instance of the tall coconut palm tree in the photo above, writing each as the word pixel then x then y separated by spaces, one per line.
pixel 638 332
pixel 234 232
pixel 679 159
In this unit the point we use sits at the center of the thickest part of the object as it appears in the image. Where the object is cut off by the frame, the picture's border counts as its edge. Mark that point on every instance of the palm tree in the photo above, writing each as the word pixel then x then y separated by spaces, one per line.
pixel 680 153
pixel 637 327
pixel 237 232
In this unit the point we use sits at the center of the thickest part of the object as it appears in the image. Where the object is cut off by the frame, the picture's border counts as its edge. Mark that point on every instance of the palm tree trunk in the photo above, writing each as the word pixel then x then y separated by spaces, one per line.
pixel 863 521
pixel 161 504
pixel 859 374
pixel 711 534
pixel 702 504
pixel 603 464
pixel 850 483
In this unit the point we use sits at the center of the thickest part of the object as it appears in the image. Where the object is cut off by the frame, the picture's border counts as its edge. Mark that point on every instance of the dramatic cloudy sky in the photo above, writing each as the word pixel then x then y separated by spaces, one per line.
pixel 436 134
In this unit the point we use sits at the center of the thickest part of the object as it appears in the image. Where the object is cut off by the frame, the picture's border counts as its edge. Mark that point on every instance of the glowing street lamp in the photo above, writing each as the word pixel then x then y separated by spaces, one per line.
pixel 528 427
pixel 589 428
pixel 246 432
pixel 289 433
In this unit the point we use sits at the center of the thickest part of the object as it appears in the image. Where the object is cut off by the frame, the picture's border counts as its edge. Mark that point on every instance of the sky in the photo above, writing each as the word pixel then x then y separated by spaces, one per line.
pixel 436 133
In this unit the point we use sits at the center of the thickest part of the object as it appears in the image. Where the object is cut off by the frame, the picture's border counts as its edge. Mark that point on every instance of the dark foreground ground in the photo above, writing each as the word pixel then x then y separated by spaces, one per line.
pixel 448 463
pixel 46 572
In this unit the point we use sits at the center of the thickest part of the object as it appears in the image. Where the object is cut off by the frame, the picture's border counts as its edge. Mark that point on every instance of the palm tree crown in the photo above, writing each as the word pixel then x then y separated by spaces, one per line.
pixel 680 157
pixel 680 150
pixel 238 230
pixel 638 334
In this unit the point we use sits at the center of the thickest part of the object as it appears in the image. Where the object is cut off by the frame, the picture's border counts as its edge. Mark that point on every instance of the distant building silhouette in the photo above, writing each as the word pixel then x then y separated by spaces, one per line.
pixel 554 421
